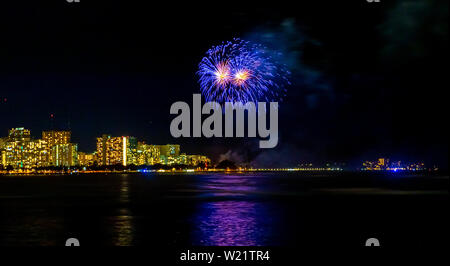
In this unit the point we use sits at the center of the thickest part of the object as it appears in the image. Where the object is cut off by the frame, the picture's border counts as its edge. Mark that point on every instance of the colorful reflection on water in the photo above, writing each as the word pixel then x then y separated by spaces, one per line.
pixel 237 220
pixel 232 223
pixel 217 209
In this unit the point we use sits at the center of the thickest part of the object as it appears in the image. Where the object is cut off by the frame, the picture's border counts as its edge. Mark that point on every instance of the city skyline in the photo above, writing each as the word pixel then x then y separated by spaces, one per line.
pixel 21 151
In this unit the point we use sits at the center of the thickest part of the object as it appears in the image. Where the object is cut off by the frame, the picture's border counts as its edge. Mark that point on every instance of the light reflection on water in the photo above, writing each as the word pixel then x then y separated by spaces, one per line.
pixel 122 224
pixel 231 223
pixel 205 209
pixel 124 191
pixel 123 229
pixel 227 185
pixel 235 221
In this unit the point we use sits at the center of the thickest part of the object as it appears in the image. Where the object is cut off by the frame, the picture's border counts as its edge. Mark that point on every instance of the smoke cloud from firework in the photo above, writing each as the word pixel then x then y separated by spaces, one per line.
pixel 241 71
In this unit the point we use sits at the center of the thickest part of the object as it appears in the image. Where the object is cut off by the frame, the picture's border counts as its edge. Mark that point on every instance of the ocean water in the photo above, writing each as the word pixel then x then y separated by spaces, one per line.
pixel 220 209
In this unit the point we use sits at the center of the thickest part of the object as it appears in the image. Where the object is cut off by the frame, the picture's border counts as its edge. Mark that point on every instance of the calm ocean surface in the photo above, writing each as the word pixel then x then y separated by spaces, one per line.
pixel 262 209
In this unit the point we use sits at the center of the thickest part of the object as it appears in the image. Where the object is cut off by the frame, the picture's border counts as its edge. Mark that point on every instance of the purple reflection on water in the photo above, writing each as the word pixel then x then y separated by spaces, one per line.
pixel 234 216
pixel 232 223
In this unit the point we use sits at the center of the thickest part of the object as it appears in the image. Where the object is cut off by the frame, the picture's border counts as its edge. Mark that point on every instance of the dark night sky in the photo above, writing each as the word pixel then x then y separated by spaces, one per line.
pixel 368 79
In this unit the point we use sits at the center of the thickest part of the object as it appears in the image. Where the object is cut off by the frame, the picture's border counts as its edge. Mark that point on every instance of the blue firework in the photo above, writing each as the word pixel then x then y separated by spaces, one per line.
pixel 241 71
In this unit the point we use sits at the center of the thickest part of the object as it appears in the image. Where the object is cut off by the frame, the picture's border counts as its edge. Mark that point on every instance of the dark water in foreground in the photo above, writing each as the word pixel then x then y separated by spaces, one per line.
pixel 276 209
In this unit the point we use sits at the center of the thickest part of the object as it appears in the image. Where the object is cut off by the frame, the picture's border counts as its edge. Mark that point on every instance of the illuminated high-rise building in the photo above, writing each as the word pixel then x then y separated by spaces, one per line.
pixel 19 154
pixel 19 150
pixel 42 153
pixel 2 152
pixel 169 150
pixel 3 158
pixel 14 152
pixel 22 152
pixel 116 150
pixel 64 155
pixel 147 154
pixel 195 160
pixel 56 137
pixel 53 138
pixel 168 153
pixel 2 143
pixel 109 150
pixel 130 149
pixel 19 134
pixel 86 159
pixel 181 159
pixel 100 153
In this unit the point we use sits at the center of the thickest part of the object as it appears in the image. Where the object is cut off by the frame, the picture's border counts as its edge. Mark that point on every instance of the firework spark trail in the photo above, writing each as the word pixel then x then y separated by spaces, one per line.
pixel 240 71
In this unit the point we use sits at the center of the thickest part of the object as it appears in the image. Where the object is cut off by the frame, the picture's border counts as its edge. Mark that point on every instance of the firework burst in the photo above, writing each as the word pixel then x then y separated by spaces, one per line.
pixel 240 71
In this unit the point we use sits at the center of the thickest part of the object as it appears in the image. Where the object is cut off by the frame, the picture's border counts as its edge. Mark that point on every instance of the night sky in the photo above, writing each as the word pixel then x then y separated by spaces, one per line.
pixel 368 79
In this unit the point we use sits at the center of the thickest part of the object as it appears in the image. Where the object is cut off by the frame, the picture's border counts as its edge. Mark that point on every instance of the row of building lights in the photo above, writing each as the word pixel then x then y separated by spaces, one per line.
pixel 20 151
